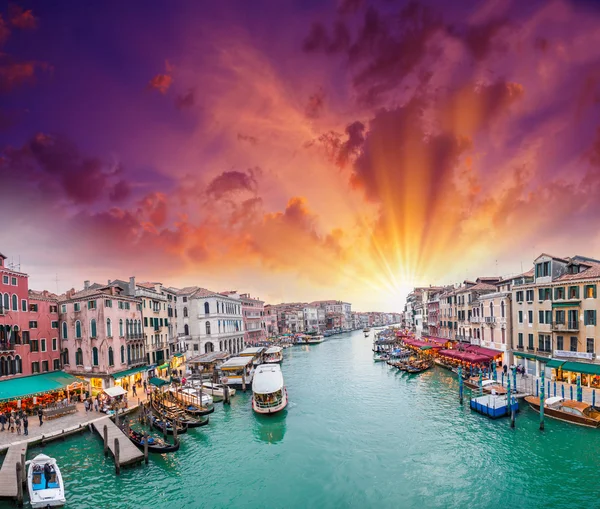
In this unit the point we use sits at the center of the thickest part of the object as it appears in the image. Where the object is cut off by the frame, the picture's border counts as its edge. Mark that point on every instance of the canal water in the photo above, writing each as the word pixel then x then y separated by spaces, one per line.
pixel 356 434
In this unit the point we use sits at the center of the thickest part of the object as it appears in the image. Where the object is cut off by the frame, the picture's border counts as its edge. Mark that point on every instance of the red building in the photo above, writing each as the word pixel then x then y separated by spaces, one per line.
pixel 14 321
pixel 44 338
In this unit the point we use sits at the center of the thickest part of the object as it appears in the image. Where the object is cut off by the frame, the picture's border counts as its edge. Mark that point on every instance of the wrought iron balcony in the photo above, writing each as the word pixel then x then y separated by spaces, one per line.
pixel 569 326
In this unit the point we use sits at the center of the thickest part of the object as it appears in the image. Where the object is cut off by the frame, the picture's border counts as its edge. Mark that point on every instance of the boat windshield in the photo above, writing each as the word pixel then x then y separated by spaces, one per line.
pixel 42 480
pixel 269 400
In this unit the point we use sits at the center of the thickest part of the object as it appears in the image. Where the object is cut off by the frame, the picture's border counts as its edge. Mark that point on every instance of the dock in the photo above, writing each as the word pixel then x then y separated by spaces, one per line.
pixel 128 453
pixel 8 472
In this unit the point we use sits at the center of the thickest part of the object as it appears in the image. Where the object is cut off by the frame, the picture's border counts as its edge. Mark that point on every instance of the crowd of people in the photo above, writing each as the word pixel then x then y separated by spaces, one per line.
pixel 17 421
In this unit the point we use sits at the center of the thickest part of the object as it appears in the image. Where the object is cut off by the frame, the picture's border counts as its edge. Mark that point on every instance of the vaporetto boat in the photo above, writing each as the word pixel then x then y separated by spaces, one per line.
pixel 45 483
pixel 269 394
pixel 274 355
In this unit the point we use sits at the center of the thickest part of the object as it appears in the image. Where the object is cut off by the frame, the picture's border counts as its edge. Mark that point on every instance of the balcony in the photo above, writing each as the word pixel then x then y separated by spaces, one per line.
pixel 490 320
pixel 569 326
pixel 520 347
pixel 475 319
pixel 7 346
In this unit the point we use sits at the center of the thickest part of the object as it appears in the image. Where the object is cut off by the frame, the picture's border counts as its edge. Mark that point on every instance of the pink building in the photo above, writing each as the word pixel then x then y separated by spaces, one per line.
pixel 253 311
pixel 270 320
pixel 14 321
pixel 44 340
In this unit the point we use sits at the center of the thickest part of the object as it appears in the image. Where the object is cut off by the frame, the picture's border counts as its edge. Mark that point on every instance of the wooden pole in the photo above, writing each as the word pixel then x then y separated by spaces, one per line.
pixel 542 400
pixel 226 394
pixel 105 440
pixel 512 412
pixel 175 430
pixel 117 457
pixel 145 447
pixel 164 425
pixel 23 469
pixel 19 485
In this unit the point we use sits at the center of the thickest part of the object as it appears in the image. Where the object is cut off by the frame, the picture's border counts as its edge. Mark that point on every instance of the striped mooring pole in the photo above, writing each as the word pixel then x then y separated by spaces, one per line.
pixel 542 401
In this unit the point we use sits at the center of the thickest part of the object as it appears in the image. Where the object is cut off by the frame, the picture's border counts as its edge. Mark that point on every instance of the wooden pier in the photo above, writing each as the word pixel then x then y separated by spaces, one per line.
pixel 8 472
pixel 127 453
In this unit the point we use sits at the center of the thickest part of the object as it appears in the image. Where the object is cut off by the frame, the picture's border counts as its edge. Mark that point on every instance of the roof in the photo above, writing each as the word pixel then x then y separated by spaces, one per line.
pixel 236 362
pixel 34 385
pixel 529 273
pixel 251 351
pixel 209 357
pixel 196 291
pixel 44 295
pixel 592 272
pixel 559 258
pixel 2 256
pixel 115 391
pixel 274 349
pixel 579 405
pixel 149 286
pixel 267 379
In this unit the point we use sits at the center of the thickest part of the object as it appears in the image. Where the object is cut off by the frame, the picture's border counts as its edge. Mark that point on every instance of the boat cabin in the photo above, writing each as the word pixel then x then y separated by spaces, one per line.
pixel 237 371
pixel 38 480
pixel 255 352
pixel 274 354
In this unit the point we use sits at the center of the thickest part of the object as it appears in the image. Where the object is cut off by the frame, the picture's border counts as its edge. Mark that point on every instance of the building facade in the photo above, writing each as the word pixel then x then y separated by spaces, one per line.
pixel 44 336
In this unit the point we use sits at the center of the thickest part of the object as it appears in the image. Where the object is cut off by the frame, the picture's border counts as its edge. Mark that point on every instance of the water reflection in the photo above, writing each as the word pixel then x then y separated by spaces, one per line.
pixel 270 428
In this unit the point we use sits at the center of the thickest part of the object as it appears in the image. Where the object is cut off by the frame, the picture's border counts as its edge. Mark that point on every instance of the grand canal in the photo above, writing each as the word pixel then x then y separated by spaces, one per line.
pixel 356 434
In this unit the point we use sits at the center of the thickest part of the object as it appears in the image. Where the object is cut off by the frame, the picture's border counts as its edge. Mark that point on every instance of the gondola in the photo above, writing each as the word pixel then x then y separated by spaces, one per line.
pixel 179 415
pixel 154 444
pixel 158 424
pixel 418 367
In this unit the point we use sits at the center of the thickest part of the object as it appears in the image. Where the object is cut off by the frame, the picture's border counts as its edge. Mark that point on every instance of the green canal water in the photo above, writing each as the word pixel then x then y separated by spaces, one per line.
pixel 356 434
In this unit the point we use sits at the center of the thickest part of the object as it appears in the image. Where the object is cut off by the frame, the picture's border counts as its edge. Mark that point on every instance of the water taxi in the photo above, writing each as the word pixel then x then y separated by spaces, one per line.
pixel 217 391
pixel 274 354
pixel 237 371
pixel 378 357
pixel 45 483
pixel 311 340
pixel 568 410
pixel 255 352
pixel 367 332
pixel 269 394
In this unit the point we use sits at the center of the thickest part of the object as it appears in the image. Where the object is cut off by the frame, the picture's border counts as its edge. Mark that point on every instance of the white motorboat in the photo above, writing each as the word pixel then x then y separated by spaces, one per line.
pixel 45 483
pixel 269 394
pixel 217 391
pixel 311 340
pixel 379 357
pixel 193 395
pixel 274 355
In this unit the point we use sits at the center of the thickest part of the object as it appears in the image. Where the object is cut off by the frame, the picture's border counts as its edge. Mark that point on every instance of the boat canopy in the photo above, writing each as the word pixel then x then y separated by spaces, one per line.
pixel 552 400
pixel 274 349
pixel 208 358
pixel 421 344
pixel 157 382
pixel 252 351
pixel 236 363
pixel 115 391
pixel 579 405
pixel 267 379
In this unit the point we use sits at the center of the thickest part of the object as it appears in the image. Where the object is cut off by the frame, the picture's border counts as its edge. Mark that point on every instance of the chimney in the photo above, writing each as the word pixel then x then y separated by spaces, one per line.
pixel 132 286
pixel 86 285
pixel 70 293
pixel 109 281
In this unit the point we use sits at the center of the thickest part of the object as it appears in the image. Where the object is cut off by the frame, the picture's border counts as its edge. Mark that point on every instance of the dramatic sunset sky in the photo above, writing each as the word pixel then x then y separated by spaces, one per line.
pixel 298 149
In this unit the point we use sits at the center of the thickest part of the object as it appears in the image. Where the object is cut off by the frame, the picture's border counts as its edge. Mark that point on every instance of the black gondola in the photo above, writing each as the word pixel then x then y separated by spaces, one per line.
pixel 158 424
pixel 154 444
pixel 179 415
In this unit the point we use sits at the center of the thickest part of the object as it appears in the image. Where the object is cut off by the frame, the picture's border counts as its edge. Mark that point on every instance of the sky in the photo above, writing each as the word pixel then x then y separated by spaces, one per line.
pixel 297 150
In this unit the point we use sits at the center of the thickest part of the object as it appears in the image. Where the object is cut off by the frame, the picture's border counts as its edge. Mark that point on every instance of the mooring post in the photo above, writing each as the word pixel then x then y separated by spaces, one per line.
pixel 542 388
pixel 19 485
pixel 23 469
pixel 145 447
pixel 105 431
pixel 175 430
pixel 117 457
pixel 513 402
pixel 244 382
pixel 460 385
pixel 164 425
pixel 226 394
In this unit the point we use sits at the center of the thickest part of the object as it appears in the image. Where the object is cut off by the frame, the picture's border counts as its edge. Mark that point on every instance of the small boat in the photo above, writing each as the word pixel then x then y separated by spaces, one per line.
pixel 274 355
pixel 158 424
pixel 418 366
pixel 269 394
pixel 154 444
pixel 487 385
pixel 312 340
pixel 366 329
pixel 173 412
pixel 568 410
pixel 378 357
pixel 193 400
pixel 217 391
pixel 45 483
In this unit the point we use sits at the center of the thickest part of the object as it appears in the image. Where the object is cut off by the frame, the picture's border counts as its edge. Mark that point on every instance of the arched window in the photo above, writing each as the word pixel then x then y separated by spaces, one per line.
pixel 93 331
pixel 111 356
pixel 502 309
pixel 121 328
pixel 185 313
pixel 64 330
pixel 220 346
pixel 79 357
pixel 186 330
pixel 108 328
pixel 95 356
pixel 122 354
pixel 66 356
pixel 11 365
pixel 209 347
pixel 18 364
pixel 128 353
pixel 127 327
pixel 206 308
pixel 15 303
pixel 491 309
pixel 207 328
pixel 2 370
pixel 6 301
pixel 77 329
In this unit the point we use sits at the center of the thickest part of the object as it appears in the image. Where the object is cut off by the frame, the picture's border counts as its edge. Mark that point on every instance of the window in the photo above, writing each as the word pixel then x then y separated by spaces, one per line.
pixel 45 368
pixel 573 292
pixel 560 317
pixel 108 303
pixel 573 344
pixel 590 291
pixel 24 305
pixel 559 293
pixel 530 341
pixel 161 322
pixel 541 316
pixel 111 357
pixel 43 344
pixel 127 306
pixel 195 344
pixel 77 306
pixel 54 324
pixel 589 317
pixel 542 269
pixel 56 364
pixel 185 299
pixel 14 282
pixel 121 328
pixel 548 317
pixel 77 329
pixel 54 344
pixel 79 357
pixel 64 330
pixel 63 308
pixel 91 304
pixel 5 280
pixel 15 303
pixel 120 304
pixel 33 324
pixel 560 343
pixel 95 356
pixel 32 307
pixel 573 317
pixel 108 328
pixel 6 301
pixel 34 345
pixel 530 316
pixel 35 367
pixel 520 340
pixel 206 308
pixel 207 328
pixel 185 312
pixel 186 330
pixel 589 345
pixel 93 331
pixel 53 309
pixel 520 316
pixel 145 321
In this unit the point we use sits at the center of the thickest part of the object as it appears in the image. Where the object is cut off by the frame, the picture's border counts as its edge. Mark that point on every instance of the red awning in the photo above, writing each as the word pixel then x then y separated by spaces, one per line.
pixel 418 344
pixel 439 341
pixel 489 352
pixel 472 357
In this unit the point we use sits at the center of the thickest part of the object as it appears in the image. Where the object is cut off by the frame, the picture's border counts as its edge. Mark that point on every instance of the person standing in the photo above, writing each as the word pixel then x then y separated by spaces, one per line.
pixel 96 405
pixel 11 422
pixel 86 405
pixel 2 420
pixel 133 389
pixel 18 424
pixel 25 425
pixel 41 415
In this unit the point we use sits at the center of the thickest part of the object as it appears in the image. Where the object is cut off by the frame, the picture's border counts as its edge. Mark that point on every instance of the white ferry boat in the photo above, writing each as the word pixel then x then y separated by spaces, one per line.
pixel 256 352
pixel 274 354
pixel 45 483
pixel 237 371
pixel 269 394
pixel 308 339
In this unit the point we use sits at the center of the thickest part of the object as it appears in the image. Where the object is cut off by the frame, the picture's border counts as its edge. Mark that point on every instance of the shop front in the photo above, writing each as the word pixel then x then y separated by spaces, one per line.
pixel 177 361
pixel 163 370
pixel 130 377
pixel 46 390
pixel 568 371
pixel 528 361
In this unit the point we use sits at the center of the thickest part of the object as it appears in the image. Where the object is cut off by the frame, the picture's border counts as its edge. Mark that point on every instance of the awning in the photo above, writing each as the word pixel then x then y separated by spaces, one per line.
pixel 554 363
pixel 35 385
pixel 127 372
pixel 113 392
pixel 426 347
pixel 471 357
pixel 178 354
pixel 163 366
pixel 490 352
pixel 582 367
pixel 524 355
pixel 157 382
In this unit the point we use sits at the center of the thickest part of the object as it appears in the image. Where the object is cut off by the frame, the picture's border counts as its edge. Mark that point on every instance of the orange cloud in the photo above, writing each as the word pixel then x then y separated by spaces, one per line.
pixel 161 82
